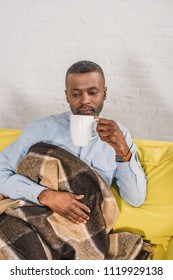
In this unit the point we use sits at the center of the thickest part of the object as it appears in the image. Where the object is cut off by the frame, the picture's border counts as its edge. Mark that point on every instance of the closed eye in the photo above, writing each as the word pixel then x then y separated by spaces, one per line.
pixel 76 94
pixel 92 92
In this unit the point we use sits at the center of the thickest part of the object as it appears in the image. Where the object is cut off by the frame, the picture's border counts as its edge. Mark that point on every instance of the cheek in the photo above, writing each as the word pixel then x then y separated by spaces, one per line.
pixel 73 105
pixel 99 102
pixel 73 102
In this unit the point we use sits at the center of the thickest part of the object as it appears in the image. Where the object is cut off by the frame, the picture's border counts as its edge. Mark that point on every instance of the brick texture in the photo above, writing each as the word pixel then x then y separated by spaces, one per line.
pixel 132 40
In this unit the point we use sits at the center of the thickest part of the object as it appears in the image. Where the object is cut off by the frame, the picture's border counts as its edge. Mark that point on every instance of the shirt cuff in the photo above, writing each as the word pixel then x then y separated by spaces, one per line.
pixel 132 164
pixel 34 192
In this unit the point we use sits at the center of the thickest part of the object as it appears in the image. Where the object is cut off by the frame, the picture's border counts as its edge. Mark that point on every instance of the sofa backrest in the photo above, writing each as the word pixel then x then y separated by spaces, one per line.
pixel 154 216
pixel 153 219
pixel 7 136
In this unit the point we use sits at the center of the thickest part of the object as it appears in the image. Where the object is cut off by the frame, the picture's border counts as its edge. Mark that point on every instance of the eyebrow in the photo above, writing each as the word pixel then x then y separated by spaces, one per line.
pixel 93 88
pixel 75 89
pixel 88 88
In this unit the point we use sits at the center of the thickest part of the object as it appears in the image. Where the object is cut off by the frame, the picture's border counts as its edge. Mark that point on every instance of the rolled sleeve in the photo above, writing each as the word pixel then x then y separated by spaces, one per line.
pixel 131 181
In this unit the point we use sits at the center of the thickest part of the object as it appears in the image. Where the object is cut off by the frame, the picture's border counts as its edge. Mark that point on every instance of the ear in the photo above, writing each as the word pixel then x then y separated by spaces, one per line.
pixel 105 93
pixel 66 93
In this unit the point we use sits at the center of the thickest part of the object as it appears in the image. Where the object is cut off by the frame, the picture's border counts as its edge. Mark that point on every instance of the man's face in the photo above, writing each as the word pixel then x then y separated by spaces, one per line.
pixel 85 93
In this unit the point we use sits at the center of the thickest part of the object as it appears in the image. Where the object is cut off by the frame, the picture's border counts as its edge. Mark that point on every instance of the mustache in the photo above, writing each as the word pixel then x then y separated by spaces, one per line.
pixel 89 108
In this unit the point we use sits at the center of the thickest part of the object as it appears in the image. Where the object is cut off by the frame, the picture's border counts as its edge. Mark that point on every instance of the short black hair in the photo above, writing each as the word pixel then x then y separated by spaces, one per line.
pixel 85 66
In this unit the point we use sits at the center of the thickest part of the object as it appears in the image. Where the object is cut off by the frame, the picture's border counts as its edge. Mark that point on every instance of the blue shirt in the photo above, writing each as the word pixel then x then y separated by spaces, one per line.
pixel 55 129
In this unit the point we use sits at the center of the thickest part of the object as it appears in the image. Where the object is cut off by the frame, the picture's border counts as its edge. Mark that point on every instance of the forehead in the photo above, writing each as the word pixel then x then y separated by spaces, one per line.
pixel 84 80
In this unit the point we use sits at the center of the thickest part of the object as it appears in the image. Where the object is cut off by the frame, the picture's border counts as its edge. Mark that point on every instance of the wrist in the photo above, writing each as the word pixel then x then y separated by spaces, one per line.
pixel 124 158
pixel 43 197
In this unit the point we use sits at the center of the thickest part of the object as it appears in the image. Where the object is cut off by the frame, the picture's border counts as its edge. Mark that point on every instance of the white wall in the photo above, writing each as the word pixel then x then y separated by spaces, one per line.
pixel 131 39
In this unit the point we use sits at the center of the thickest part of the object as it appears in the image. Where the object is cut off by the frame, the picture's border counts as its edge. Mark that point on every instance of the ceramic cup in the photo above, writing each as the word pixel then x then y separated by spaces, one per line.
pixel 81 128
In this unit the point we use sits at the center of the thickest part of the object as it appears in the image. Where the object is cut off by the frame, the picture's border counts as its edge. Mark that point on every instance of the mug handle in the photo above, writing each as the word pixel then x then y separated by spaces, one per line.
pixel 96 119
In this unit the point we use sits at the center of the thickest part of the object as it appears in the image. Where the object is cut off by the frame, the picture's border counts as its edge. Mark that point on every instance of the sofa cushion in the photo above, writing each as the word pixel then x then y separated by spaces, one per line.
pixel 154 219
pixel 7 136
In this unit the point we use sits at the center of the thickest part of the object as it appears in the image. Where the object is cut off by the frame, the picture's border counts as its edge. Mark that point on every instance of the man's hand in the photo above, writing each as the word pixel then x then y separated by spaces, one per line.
pixel 66 205
pixel 110 132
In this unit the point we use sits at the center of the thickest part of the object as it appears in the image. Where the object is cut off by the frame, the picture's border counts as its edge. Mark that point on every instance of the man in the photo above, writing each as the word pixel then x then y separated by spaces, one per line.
pixel 111 152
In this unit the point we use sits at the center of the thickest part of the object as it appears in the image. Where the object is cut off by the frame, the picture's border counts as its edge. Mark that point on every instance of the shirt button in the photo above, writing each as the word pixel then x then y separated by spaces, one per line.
pixel 31 195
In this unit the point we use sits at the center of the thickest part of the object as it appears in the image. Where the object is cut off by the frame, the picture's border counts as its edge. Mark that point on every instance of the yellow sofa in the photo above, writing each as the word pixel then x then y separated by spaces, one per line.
pixel 154 219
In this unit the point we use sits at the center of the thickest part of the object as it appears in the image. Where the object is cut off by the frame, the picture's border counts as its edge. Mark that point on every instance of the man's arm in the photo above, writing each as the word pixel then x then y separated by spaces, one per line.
pixel 129 175
pixel 17 186
pixel 14 185
pixel 131 180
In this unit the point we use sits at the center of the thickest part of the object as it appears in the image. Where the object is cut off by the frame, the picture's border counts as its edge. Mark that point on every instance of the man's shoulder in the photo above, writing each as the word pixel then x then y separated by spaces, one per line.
pixel 62 117
pixel 46 123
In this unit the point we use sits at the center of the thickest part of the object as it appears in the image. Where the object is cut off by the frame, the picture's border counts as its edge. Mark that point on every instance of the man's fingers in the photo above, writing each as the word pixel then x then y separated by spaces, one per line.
pixel 79 216
pixel 71 219
pixel 81 211
pixel 101 127
pixel 80 204
pixel 78 196
pixel 105 133
pixel 104 121
pixel 76 215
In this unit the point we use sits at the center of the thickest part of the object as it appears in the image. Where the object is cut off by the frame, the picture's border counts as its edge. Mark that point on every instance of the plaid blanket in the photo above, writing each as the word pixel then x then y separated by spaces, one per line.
pixel 31 231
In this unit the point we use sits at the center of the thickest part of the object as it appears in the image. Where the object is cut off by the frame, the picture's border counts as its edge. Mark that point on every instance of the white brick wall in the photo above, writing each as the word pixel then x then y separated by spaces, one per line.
pixel 131 39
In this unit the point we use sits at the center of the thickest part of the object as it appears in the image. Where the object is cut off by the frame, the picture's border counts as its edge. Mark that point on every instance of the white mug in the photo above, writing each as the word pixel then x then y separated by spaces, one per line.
pixel 81 128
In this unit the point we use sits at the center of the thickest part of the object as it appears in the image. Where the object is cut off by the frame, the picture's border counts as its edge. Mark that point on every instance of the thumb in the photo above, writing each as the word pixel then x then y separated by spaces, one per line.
pixel 78 196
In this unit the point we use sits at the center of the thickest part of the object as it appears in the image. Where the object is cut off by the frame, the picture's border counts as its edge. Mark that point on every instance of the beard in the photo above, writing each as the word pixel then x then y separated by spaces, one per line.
pixel 86 110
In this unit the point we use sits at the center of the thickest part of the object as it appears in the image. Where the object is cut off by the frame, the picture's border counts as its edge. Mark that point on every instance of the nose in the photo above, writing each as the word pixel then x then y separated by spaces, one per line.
pixel 85 99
